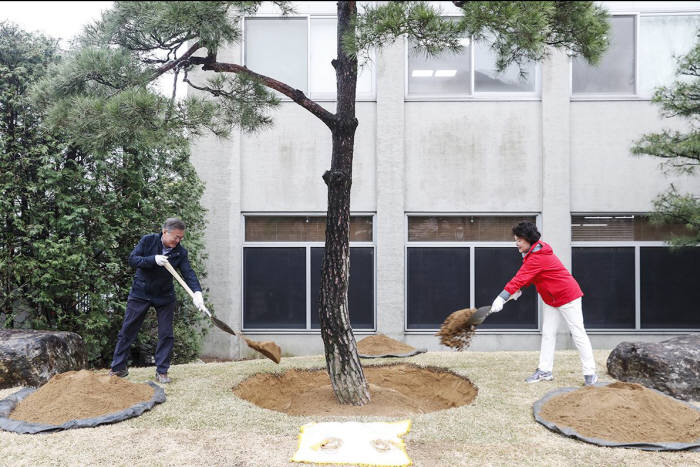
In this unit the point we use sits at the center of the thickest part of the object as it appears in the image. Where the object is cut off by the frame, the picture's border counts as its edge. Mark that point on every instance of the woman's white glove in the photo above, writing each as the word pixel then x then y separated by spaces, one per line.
pixel 516 295
pixel 198 300
pixel 161 260
pixel 497 305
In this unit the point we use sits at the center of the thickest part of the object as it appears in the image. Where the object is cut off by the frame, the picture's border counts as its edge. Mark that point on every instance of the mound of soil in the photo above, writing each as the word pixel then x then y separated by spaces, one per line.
pixel 79 394
pixel 380 344
pixel 625 413
pixel 396 391
pixel 455 332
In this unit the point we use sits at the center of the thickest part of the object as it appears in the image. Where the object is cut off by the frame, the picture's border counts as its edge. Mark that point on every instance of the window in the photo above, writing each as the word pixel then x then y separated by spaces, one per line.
pixel 669 287
pixel 493 268
pixel 274 285
pixel 455 262
pixel 282 272
pixel 447 74
pixel 606 276
pixel 640 56
pixel 662 37
pixel 360 289
pixel 438 284
pixel 487 79
pixel 615 73
pixel 277 47
pixel 298 51
pixel 629 278
pixel 451 75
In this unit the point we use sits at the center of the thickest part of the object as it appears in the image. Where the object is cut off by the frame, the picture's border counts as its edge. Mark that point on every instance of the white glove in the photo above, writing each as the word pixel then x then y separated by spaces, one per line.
pixel 198 300
pixel 161 260
pixel 516 295
pixel 497 305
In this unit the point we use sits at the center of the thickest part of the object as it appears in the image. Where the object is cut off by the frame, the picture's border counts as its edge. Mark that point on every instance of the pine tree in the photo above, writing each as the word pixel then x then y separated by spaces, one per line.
pixel 137 42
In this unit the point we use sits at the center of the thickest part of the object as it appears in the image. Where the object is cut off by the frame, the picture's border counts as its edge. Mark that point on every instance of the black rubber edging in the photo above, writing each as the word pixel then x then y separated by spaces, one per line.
pixel 571 433
pixel 8 404
pixel 409 354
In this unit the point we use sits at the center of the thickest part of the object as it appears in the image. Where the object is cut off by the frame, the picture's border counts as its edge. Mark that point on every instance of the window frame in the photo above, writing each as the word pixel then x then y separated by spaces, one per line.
pixel 317 97
pixel 637 245
pixel 307 245
pixel 624 97
pixel 473 95
pixel 472 245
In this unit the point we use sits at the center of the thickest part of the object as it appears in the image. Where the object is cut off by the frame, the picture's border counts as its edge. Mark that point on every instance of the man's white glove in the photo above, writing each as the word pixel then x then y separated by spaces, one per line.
pixel 198 300
pixel 497 305
pixel 516 295
pixel 161 260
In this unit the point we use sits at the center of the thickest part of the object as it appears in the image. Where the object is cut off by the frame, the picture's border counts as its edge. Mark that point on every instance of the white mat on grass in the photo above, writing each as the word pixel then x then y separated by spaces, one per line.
pixel 375 443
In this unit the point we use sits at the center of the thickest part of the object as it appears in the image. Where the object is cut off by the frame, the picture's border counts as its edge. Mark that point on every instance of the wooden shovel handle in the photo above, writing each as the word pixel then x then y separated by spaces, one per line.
pixel 175 274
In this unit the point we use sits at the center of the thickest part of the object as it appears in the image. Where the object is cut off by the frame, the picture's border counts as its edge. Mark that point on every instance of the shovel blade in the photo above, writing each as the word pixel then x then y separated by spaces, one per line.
pixel 480 315
pixel 221 325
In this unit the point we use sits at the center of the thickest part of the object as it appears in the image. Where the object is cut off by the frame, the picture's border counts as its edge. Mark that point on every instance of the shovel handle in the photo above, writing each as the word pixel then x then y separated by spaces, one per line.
pixel 184 285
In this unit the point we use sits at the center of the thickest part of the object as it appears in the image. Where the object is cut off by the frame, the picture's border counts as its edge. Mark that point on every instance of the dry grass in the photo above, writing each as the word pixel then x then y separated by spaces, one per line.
pixel 203 423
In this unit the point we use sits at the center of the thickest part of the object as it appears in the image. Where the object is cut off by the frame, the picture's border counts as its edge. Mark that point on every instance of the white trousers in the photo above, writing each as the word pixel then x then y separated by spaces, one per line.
pixel 573 315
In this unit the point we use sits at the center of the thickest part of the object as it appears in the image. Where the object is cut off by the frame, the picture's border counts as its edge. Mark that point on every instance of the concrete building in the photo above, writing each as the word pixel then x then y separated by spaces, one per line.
pixel 448 156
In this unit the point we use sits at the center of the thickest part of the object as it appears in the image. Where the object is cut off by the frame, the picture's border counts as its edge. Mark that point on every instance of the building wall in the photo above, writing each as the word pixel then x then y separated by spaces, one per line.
pixel 550 156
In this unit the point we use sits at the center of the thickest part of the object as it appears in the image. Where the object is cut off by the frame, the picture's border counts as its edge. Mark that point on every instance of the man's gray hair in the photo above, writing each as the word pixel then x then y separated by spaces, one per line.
pixel 173 223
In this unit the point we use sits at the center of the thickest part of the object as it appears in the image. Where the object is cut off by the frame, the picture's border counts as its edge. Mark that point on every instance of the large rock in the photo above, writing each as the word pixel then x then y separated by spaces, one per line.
pixel 671 366
pixel 30 358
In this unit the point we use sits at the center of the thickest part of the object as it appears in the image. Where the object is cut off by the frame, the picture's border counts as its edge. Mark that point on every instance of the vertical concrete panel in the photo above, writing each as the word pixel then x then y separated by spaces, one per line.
pixel 390 190
pixel 556 156
pixel 556 165
pixel 217 162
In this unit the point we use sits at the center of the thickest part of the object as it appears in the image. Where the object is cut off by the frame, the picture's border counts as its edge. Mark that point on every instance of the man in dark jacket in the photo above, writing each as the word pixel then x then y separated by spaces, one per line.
pixel 561 295
pixel 153 286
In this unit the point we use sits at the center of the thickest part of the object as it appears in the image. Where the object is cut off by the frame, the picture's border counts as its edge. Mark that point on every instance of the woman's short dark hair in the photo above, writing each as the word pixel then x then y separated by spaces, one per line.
pixel 528 231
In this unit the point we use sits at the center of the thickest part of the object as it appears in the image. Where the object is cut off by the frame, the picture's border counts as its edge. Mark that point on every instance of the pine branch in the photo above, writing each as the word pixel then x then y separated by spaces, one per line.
pixel 210 64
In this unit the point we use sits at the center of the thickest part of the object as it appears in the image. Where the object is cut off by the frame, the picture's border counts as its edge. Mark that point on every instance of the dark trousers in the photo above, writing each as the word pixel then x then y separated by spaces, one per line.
pixel 133 319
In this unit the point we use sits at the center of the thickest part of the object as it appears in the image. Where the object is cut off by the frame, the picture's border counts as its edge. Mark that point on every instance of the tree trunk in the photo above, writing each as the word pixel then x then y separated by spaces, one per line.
pixel 342 361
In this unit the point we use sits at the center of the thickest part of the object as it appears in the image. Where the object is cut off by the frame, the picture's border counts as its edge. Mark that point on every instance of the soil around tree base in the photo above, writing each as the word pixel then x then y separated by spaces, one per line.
pixel 397 390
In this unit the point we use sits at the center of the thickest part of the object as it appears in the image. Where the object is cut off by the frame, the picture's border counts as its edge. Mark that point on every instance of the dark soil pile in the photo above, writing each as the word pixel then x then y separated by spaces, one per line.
pixel 396 391
pixel 625 413
pixel 455 332
pixel 80 394
pixel 382 345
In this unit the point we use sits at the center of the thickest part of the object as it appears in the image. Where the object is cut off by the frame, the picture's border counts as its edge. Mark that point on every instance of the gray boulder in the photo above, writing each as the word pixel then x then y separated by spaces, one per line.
pixel 671 366
pixel 31 358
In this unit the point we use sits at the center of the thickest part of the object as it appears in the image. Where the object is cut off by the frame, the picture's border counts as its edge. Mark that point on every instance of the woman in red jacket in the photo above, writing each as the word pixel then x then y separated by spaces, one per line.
pixel 561 295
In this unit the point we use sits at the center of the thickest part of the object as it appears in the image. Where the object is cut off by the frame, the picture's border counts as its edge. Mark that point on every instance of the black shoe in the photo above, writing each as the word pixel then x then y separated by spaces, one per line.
pixel 119 373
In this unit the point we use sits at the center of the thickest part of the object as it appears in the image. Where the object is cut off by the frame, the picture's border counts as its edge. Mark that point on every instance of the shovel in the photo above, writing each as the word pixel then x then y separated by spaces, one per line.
pixel 268 349
pixel 482 313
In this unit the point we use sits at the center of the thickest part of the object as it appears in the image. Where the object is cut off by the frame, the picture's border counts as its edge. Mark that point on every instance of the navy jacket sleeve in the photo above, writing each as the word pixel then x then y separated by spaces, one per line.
pixel 139 258
pixel 189 275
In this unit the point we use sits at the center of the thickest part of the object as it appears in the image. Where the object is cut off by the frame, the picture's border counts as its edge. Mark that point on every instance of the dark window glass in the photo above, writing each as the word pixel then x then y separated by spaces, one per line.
pixel 274 288
pixel 438 284
pixel 360 289
pixel 493 268
pixel 669 287
pixel 606 276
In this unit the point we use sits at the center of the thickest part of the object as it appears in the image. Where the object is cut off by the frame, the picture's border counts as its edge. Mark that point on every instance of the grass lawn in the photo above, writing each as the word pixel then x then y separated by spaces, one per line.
pixel 203 423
